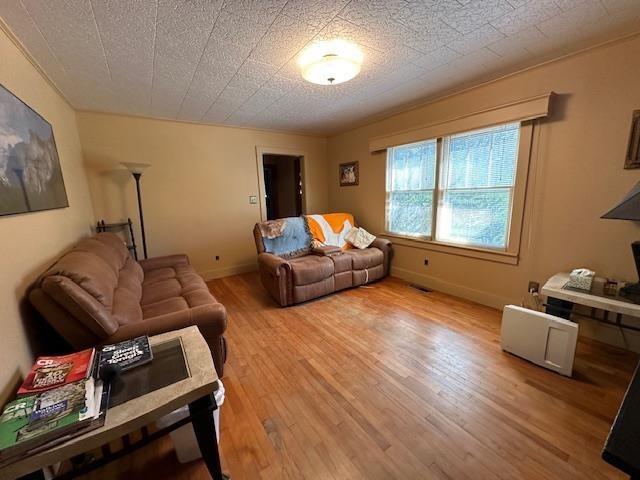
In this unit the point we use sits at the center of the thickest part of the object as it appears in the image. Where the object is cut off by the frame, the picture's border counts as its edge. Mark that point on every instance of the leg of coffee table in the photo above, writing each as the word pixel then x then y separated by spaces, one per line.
pixel 204 427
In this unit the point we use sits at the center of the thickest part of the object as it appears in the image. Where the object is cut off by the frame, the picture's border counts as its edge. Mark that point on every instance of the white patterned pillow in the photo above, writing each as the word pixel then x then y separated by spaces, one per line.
pixel 359 238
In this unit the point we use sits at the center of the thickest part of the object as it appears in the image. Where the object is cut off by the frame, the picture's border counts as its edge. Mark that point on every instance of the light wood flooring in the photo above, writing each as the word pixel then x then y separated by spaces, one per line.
pixel 386 382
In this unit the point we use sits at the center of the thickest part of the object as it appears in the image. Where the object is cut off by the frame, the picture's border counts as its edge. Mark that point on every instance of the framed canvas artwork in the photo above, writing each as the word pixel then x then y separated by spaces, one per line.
pixel 349 174
pixel 633 150
pixel 30 174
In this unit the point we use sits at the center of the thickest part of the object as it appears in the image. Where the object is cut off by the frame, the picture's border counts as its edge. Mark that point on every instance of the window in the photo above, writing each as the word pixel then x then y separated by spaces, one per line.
pixel 456 189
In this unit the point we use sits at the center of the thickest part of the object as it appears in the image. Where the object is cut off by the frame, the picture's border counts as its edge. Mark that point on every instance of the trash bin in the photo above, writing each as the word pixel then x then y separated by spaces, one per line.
pixel 183 438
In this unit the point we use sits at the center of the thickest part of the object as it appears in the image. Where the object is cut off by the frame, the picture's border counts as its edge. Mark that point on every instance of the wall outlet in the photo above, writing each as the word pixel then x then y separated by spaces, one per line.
pixel 534 287
pixel 426 262
pixel 253 199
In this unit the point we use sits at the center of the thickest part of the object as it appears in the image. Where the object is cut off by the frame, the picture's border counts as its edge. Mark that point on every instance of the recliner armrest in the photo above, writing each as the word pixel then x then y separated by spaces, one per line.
pixel 273 263
pixel 163 262
pixel 381 243
pixel 385 246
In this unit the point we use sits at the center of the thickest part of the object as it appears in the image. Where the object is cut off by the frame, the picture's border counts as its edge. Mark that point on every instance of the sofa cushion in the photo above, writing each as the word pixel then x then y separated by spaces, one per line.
pixel 342 262
pixel 160 290
pixel 163 307
pixel 115 242
pixel 159 275
pixel 367 258
pixel 126 306
pixel 81 304
pixel 302 293
pixel 367 275
pixel 310 269
pixel 102 250
pixel 89 272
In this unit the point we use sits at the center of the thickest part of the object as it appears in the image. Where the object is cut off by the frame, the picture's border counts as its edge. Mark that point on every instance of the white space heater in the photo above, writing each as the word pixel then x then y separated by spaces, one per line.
pixel 543 339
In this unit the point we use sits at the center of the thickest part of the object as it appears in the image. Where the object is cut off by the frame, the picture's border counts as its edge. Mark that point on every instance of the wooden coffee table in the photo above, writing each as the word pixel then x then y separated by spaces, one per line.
pixel 181 373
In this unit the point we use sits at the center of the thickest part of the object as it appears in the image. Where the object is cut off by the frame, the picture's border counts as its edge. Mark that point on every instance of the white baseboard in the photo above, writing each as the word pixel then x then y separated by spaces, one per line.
pixel 610 334
pixel 228 271
pixel 478 296
pixel 588 328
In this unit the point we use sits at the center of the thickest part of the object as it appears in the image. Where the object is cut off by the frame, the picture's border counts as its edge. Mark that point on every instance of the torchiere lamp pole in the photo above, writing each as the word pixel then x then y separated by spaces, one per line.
pixel 136 170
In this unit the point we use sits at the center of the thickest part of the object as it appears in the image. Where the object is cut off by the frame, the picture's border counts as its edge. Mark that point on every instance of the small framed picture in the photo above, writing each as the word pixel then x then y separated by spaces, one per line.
pixel 349 175
pixel 633 152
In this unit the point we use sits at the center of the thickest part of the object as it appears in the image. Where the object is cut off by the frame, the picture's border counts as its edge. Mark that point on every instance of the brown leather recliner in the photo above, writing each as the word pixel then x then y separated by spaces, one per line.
pixel 96 293
pixel 321 271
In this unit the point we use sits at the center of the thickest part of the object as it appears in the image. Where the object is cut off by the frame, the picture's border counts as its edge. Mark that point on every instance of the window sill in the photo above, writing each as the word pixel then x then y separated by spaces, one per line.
pixel 464 251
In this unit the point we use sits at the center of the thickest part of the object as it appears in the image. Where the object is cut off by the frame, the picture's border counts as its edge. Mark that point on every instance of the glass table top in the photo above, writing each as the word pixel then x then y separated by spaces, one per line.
pixel 167 367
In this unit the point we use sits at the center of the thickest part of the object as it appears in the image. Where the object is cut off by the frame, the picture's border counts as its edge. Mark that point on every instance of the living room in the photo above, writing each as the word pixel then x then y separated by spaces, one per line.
pixel 387 361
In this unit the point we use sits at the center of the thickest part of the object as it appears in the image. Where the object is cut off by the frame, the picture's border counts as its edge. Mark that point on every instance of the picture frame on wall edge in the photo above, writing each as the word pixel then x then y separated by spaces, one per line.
pixel 633 151
pixel 349 174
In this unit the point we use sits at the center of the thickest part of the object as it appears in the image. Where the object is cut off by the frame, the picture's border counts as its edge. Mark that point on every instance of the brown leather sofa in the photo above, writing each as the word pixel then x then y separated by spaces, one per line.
pixel 96 293
pixel 320 271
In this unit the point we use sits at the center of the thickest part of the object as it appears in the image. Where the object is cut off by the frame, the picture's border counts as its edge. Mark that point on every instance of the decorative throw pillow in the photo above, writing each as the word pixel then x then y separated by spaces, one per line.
pixel 359 238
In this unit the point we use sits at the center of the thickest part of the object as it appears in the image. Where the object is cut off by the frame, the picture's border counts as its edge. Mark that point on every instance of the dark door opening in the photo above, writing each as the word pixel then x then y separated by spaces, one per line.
pixel 282 185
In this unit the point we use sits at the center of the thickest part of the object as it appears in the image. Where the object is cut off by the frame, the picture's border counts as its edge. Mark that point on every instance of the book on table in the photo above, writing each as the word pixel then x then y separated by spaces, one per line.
pixel 50 372
pixel 58 400
pixel 51 416
pixel 126 355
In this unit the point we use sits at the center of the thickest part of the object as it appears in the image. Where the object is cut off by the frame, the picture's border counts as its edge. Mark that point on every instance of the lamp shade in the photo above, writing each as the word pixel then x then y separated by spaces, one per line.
pixel 330 62
pixel 628 208
pixel 134 167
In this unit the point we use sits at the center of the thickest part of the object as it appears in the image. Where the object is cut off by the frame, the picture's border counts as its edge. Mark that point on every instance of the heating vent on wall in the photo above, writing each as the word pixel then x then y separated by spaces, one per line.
pixel 420 287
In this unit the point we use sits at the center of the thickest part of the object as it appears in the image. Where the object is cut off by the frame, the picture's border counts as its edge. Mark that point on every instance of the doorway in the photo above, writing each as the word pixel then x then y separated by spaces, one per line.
pixel 283 186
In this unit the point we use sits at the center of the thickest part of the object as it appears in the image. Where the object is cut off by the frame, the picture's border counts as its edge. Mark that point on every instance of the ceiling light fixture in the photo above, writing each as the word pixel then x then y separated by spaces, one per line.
pixel 330 62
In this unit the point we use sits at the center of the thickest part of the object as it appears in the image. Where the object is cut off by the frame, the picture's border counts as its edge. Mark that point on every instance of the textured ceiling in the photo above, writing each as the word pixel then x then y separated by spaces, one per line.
pixel 233 61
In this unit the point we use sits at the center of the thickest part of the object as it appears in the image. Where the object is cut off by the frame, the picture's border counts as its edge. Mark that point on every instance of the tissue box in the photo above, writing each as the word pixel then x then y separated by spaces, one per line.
pixel 581 279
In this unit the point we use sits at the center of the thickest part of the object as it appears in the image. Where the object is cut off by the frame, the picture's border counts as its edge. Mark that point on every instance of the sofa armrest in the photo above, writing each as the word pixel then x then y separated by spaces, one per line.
pixel 273 263
pixel 163 262
pixel 211 319
pixel 275 275
pixel 381 243
pixel 384 245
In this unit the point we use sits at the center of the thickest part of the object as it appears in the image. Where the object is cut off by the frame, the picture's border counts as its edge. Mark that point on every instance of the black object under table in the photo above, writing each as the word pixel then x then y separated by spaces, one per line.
pixel 622 448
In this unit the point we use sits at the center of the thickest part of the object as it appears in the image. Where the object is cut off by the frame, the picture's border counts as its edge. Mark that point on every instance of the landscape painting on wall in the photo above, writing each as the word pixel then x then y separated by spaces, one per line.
pixel 30 174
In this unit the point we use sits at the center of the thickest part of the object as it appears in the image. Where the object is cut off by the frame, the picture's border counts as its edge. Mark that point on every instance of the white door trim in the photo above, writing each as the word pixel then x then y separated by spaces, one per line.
pixel 264 150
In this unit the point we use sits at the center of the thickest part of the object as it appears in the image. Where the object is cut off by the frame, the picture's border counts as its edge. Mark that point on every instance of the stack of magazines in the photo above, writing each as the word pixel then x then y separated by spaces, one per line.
pixel 62 397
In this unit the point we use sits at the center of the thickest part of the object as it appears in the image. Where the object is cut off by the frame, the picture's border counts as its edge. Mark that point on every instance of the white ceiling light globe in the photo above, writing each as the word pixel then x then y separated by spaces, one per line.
pixel 330 62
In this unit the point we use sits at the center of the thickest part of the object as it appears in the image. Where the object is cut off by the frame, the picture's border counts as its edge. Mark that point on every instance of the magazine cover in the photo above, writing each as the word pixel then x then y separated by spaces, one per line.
pixel 127 354
pixel 50 372
pixel 32 420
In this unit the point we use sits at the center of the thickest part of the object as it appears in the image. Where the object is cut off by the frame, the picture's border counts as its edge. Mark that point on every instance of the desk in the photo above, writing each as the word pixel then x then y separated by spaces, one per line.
pixel 560 302
pixel 195 390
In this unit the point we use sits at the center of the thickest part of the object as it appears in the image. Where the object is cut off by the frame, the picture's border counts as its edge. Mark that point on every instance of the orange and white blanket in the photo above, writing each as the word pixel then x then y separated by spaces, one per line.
pixel 331 228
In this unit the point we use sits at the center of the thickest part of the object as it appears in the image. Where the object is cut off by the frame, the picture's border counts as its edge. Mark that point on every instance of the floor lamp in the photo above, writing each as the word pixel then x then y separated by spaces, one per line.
pixel 136 170
pixel 629 209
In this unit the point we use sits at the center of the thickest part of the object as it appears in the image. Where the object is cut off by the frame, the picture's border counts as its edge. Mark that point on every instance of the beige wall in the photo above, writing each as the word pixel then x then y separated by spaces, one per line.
pixel 576 176
pixel 196 192
pixel 29 242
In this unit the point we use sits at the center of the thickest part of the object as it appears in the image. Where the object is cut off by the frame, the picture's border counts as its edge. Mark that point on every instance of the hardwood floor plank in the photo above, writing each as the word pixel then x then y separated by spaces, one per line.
pixel 391 382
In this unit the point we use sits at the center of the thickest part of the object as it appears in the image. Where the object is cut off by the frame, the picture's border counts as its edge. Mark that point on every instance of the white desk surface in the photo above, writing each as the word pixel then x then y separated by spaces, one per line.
pixel 553 288
pixel 138 412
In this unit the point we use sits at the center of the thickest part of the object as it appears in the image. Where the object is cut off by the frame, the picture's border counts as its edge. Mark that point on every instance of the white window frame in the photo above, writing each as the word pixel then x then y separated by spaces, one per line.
pixel 509 254
pixel 389 180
